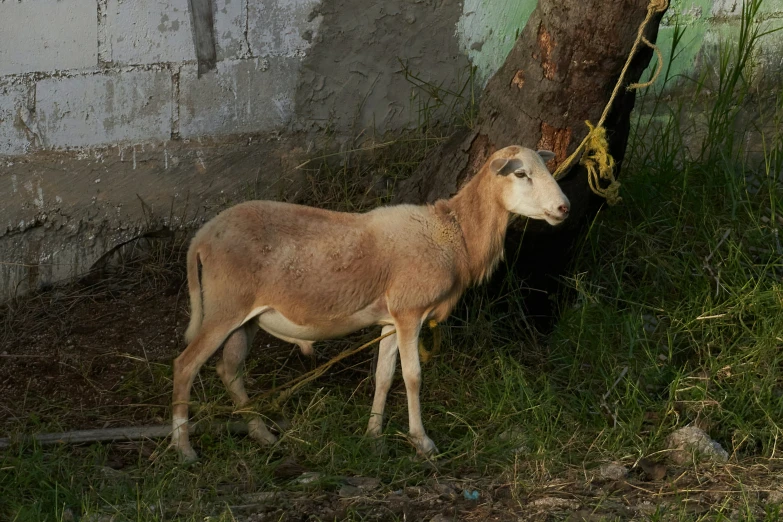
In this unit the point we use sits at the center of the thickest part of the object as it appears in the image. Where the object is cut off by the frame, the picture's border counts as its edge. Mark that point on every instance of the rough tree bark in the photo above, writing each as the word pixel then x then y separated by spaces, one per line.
pixel 561 72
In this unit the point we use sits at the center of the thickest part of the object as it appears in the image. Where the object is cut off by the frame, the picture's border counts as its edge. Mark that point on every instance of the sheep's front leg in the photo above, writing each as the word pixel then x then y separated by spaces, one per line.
pixel 408 344
pixel 384 374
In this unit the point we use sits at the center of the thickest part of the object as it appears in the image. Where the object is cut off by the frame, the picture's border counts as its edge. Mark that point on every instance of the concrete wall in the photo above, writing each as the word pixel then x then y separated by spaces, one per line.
pixel 107 130
pixel 84 73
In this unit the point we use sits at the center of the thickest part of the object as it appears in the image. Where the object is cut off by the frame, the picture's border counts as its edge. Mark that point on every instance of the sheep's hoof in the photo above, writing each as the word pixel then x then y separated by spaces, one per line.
pixel 187 455
pixel 378 445
pixel 424 447
pixel 259 432
pixel 279 423
pixel 375 437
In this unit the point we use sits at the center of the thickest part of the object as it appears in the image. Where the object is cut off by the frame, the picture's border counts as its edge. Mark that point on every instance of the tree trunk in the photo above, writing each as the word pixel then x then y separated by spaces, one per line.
pixel 560 73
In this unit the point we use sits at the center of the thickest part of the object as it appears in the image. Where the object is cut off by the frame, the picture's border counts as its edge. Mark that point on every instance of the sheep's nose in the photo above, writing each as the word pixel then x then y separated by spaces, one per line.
pixel 564 209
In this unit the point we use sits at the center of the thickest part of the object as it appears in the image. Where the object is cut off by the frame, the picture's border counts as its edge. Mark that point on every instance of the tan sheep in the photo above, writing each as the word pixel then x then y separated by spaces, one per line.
pixel 304 274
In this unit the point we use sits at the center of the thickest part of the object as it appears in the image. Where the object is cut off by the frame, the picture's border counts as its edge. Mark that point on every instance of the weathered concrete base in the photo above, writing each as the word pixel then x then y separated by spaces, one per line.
pixel 755 126
pixel 63 210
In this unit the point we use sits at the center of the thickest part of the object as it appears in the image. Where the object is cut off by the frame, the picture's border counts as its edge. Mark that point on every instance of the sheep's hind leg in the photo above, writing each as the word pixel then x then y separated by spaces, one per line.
pixel 229 369
pixel 211 335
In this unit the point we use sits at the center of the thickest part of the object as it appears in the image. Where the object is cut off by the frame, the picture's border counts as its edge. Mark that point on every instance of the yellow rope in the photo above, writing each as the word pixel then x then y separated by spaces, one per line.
pixel 600 164
pixel 424 354
pixel 594 148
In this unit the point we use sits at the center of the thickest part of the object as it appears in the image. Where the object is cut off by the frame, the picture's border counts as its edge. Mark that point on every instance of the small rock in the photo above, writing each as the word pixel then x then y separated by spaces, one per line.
pixel 413 491
pixel 775 497
pixel 110 473
pixel 652 470
pixel 441 518
pixel 259 497
pixel 646 507
pixel 650 323
pixel 515 435
pixel 365 483
pixel 349 491
pixel 612 471
pixel 690 441
pixel 289 469
pixel 308 477
pixel 554 503
pixel 445 490
pixel 112 476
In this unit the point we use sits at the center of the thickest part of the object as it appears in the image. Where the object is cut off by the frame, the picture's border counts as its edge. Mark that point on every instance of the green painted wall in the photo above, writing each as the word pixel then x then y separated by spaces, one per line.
pixel 706 26
pixel 488 28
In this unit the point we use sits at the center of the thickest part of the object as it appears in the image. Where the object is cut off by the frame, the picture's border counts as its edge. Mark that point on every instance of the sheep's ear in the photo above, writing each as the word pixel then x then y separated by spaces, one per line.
pixel 546 155
pixel 505 166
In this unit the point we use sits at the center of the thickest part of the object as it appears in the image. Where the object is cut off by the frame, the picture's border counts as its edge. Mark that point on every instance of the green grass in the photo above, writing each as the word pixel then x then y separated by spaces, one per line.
pixel 670 315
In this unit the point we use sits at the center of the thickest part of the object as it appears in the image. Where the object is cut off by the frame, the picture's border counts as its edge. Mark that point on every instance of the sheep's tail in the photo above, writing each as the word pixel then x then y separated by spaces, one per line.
pixel 194 289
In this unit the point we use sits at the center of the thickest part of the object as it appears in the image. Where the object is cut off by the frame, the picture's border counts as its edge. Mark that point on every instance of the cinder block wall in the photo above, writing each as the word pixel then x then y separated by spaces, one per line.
pixel 108 131
pixel 83 73
pixel 80 73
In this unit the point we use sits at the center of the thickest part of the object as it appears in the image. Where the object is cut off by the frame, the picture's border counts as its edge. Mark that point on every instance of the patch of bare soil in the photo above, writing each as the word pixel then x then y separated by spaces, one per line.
pixel 698 492
pixel 67 353
pixel 751 491
pixel 98 353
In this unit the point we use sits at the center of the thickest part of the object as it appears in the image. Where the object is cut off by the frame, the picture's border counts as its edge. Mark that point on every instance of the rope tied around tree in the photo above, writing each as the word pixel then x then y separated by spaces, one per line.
pixel 600 164
pixel 594 148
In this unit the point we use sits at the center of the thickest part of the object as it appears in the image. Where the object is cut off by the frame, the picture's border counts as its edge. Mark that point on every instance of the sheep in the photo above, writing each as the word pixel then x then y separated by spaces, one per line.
pixel 305 274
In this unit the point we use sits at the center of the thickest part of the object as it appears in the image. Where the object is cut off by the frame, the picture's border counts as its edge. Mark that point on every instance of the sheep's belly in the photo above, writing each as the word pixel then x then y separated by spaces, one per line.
pixel 277 324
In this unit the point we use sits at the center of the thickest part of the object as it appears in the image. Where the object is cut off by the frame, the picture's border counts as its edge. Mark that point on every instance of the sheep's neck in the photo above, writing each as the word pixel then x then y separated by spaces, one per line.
pixel 483 221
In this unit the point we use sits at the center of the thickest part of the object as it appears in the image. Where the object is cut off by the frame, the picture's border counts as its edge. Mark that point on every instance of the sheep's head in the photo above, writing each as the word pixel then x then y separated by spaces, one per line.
pixel 527 187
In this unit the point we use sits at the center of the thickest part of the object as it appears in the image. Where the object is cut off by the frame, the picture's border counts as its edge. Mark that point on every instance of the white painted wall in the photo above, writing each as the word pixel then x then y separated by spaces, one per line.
pixel 48 35
pixel 77 73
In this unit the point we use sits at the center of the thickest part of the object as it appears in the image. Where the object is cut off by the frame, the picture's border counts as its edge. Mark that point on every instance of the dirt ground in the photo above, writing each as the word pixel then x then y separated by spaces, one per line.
pixel 65 353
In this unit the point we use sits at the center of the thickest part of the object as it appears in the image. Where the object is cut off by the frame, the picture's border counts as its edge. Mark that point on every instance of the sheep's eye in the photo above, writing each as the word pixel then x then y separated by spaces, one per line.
pixel 521 173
